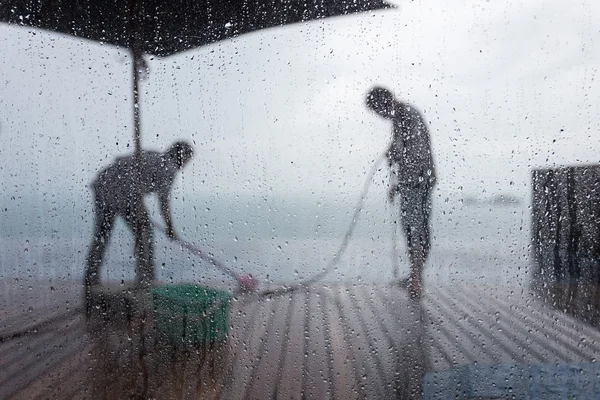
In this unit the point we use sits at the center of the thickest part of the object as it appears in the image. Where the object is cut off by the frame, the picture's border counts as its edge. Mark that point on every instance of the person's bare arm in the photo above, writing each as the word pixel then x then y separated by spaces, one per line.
pixel 394 180
pixel 165 209
pixel 394 172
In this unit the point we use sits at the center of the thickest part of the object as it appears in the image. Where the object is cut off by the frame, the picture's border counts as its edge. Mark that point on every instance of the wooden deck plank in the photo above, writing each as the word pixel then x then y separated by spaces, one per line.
pixel 414 355
pixel 438 360
pixel 552 320
pixel 394 335
pixel 346 380
pixel 36 356
pixel 369 365
pixel 350 345
pixel 264 371
pixel 14 350
pixel 290 383
pixel 507 330
pixel 504 349
pixel 395 324
pixel 253 350
pixel 284 345
pixel 175 373
pixel 33 368
pixel 531 302
pixel 190 369
pixel 405 331
pixel 343 342
pixel 397 319
pixel 449 336
pixel 36 300
pixel 513 329
pixel 554 338
pixel 317 383
pixel 244 353
pixel 328 346
pixel 242 318
pixel 459 322
pixel 380 341
pixel 24 320
pixel 59 381
pixel 75 389
pixel 111 359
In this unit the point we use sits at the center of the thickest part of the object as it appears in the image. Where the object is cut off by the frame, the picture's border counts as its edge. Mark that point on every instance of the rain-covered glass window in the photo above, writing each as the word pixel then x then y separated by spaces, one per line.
pixel 299 199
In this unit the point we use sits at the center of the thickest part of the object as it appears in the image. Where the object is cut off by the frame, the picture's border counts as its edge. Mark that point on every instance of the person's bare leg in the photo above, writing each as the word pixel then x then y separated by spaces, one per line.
pixel 395 256
pixel 102 231
pixel 146 271
pixel 415 282
pixel 138 221
pixel 419 251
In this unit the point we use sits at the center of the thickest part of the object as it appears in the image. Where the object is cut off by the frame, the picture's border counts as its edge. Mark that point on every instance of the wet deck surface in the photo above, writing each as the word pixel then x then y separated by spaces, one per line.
pixel 357 341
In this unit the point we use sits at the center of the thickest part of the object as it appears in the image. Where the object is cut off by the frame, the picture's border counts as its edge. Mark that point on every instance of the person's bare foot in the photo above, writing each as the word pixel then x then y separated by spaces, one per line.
pixel 403 283
pixel 415 289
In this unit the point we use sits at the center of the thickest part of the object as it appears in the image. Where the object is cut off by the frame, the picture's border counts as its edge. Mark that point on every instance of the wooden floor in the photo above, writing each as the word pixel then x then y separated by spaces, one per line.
pixel 346 342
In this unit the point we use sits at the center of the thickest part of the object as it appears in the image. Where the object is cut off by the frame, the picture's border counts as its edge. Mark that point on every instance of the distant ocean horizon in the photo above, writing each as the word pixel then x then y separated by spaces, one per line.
pixel 278 241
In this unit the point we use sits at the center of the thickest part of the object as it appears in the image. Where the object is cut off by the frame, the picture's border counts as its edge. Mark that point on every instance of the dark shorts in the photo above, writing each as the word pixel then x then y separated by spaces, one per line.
pixel 415 213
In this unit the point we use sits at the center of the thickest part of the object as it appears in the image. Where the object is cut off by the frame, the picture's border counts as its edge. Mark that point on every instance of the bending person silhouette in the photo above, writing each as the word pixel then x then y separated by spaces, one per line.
pixel 116 194
pixel 412 177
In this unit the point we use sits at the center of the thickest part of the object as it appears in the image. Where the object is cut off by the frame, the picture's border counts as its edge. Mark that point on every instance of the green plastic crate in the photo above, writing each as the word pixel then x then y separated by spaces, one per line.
pixel 180 313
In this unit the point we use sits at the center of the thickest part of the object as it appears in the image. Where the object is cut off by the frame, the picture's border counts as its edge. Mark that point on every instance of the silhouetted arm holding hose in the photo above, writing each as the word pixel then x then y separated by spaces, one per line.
pixel 165 209
pixel 394 173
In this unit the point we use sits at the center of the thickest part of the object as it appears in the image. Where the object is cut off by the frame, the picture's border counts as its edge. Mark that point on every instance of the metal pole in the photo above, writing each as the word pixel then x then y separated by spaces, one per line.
pixel 144 272
pixel 136 55
pixel 137 58
pixel 140 247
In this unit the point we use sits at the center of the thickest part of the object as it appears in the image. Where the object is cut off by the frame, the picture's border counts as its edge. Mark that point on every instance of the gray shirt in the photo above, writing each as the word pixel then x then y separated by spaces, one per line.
pixel 114 185
pixel 410 153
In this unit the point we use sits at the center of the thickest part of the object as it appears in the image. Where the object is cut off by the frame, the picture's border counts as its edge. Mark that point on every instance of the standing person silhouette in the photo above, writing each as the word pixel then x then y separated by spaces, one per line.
pixel 115 194
pixel 412 177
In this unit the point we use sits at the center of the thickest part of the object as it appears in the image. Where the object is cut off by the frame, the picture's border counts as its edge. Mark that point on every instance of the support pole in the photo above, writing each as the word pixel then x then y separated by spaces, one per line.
pixel 143 255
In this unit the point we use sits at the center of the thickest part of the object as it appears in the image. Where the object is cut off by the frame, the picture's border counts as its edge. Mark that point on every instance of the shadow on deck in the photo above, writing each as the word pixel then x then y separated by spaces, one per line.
pixel 359 341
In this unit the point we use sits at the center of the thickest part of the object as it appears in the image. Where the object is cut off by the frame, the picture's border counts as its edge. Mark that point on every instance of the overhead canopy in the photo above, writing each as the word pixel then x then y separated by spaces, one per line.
pixel 166 27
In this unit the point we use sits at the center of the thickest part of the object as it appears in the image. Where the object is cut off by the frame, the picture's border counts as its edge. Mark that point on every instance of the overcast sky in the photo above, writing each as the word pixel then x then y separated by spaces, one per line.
pixel 506 87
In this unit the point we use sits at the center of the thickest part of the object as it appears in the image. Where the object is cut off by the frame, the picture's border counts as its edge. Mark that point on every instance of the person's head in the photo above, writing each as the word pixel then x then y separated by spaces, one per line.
pixel 181 152
pixel 381 100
